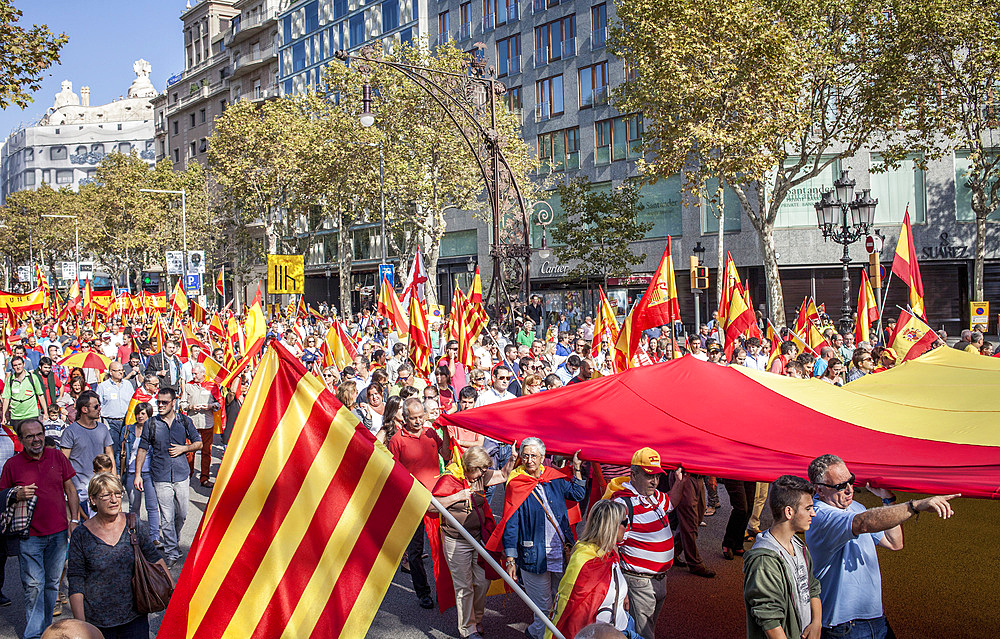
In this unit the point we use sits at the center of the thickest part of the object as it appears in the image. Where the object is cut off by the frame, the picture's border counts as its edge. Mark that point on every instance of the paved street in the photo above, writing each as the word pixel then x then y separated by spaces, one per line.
pixel 713 608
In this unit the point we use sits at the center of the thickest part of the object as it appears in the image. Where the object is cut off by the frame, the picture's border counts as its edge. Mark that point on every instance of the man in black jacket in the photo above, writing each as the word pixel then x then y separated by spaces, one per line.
pixel 167 366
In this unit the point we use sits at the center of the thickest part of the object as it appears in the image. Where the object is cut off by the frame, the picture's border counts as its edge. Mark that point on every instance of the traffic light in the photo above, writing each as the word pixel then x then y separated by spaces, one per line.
pixel 699 275
pixel 151 281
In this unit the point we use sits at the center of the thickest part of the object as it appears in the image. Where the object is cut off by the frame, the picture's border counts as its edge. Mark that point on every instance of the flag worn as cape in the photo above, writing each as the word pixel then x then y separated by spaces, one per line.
pixel 519 486
pixel 583 590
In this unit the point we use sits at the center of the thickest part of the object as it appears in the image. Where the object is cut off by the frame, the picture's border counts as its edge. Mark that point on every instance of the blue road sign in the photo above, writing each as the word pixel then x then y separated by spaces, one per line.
pixel 387 271
pixel 192 282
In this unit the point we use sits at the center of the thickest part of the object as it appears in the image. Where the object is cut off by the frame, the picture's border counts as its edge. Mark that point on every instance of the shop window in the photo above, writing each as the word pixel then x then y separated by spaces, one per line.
pixel 963 195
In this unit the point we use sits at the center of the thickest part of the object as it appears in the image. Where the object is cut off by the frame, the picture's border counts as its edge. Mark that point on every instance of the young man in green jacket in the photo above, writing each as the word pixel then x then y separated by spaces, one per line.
pixel 779 588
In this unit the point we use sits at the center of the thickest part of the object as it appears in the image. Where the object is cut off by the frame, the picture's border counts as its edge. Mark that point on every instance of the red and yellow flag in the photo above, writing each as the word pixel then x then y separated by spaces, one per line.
pixel 584 590
pixel 905 267
pixel 807 313
pixel 338 348
pixel 220 285
pixel 476 288
pixel 605 324
pixel 178 299
pixel 731 285
pixel 419 338
pixel 739 318
pixel 256 331
pixel 391 308
pixel 912 338
pixel 657 307
pixel 867 310
pixel 775 342
pixel 306 524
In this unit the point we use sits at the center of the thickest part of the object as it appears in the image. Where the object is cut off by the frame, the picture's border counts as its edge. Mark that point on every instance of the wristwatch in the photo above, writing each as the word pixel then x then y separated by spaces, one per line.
pixel 888 500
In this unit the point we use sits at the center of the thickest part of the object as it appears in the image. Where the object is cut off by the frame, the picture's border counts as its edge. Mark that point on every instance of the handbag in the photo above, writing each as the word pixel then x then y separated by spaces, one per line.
pixel 151 584
pixel 15 520
pixel 567 547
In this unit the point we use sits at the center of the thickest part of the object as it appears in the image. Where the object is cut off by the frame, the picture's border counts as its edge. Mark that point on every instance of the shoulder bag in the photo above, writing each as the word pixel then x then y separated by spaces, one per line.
pixel 15 520
pixel 151 585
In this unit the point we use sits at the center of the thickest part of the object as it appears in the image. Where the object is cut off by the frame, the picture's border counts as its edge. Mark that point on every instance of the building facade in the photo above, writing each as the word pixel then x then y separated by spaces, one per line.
pixel 71 139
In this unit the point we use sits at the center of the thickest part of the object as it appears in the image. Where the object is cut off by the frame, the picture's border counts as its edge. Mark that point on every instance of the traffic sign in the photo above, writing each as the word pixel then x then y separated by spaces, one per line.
pixel 68 270
pixel 192 283
pixel 175 262
pixel 24 273
pixel 286 274
pixel 387 272
pixel 873 244
pixel 86 270
pixel 196 261
pixel 979 315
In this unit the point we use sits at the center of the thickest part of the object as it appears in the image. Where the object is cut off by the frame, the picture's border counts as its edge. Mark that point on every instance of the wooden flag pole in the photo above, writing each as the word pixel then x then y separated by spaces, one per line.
pixel 500 571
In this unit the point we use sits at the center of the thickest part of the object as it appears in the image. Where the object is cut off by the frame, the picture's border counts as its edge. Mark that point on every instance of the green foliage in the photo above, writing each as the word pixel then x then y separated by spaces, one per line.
pixel 598 229
pixel 763 94
pixel 25 54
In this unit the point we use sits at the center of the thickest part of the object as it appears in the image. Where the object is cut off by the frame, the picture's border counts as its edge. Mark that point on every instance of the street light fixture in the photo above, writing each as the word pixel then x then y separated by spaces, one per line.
pixel 856 219
pixel 545 217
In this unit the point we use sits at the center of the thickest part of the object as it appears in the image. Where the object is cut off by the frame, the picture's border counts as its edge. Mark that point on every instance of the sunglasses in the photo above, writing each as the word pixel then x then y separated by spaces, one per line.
pixel 163 402
pixel 624 523
pixel 841 486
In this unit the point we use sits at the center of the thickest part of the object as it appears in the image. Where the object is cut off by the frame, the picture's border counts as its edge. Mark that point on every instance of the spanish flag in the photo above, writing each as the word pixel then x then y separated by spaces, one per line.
pixel 178 299
pixel 657 307
pixel 912 338
pixel 739 318
pixel 606 324
pixel 775 341
pixel 867 310
pixel 220 284
pixel 905 267
pixel 307 522
pixel 807 313
pixel 391 308
pixel 476 288
pixel 584 589
pixel 419 338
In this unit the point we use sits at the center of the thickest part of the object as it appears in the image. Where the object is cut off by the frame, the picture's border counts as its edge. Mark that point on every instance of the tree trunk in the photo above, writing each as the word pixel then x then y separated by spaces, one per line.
pixel 980 258
pixel 345 255
pixel 775 298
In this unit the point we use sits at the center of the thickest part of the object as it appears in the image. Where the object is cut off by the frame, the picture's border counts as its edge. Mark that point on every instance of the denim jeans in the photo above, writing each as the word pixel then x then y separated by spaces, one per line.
pixel 42 559
pixel 541 589
pixel 148 494
pixel 877 628
pixel 172 500
pixel 115 426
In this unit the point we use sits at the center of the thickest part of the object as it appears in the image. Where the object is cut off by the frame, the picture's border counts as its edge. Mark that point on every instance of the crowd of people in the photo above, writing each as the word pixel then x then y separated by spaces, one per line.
pixel 90 447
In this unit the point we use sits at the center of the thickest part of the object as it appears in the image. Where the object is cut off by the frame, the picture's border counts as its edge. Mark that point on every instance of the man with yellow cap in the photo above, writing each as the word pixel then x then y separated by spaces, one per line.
pixel 648 549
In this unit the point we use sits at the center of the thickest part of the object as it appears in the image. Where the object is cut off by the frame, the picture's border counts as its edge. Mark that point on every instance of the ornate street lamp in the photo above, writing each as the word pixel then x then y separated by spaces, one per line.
pixel 469 100
pixel 845 230
pixel 544 217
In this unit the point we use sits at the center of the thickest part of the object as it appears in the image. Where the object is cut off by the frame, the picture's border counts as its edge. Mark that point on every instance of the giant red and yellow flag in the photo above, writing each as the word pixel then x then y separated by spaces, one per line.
pixel 867 310
pixel 419 338
pixel 912 338
pixel 905 267
pixel 306 524
pixel 657 307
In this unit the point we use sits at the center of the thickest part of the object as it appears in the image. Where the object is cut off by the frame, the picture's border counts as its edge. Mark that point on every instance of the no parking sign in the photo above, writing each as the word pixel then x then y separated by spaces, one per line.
pixel 979 316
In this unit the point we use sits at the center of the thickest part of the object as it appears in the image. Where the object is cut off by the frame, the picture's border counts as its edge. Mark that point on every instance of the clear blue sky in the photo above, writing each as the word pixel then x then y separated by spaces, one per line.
pixel 105 37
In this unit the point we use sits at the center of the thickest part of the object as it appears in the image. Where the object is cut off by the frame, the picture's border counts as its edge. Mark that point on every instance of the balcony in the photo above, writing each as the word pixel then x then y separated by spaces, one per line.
pixel 248 26
pixel 260 94
pixel 489 22
pixel 254 59
pixel 509 66
pixel 598 38
pixel 569 48
pixel 542 112
pixel 465 31
pixel 512 12
pixel 541 57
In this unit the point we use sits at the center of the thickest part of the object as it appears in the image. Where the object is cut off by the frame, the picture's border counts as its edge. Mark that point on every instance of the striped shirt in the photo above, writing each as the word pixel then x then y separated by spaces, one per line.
pixel 649 545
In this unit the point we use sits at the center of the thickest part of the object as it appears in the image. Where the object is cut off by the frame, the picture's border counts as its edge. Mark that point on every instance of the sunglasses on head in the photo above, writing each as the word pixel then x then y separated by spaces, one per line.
pixel 841 486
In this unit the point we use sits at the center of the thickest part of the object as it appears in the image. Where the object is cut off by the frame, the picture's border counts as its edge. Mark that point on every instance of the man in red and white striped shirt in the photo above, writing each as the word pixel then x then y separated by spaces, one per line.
pixel 648 550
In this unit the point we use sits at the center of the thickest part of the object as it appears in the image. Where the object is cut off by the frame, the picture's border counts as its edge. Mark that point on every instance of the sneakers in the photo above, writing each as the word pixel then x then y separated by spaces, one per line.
pixel 426 602
pixel 58 610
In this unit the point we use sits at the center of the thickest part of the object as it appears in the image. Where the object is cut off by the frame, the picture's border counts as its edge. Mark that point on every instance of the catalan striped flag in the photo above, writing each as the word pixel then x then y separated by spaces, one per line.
pixel 307 522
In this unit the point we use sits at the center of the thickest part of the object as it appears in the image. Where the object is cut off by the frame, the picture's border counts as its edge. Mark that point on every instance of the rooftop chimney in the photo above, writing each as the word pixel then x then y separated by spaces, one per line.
pixel 84 96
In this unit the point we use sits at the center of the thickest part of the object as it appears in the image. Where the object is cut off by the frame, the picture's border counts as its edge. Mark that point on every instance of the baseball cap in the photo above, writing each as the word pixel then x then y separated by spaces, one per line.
pixel 891 354
pixel 648 459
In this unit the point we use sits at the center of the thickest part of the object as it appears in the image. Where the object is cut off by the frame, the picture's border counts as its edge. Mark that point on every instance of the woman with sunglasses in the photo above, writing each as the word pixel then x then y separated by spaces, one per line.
pixel 310 353
pixel 462 490
pixel 331 378
pixel 593 587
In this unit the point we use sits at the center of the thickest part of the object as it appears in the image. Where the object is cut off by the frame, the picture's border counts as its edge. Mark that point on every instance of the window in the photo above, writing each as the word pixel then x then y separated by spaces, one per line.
pixel 598 26
pixel 630 71
pixel 202 145
pixel 339 9
pixel 897 189
pixel 514 103
pixel 46 176
pixel 444 27
pixel 709 209
pixel 81 150
pixel 177 155
pixel 57 153
pixel 192 125
pixel 299 56
pixel 286 29
pixel 456 243
pixel 594 85
pixel 618 139
pixel 97 148
pixel 390 15
pixel 465 15
pixel 560 150
pixel 64 176
pixel 549 98
pixel 509 56
pixel 124 147
pixel 498 12
pixel 201 115
pixel 555 40
pixel 29 155
pixel 312 16
pixel 177 127
pixel 367 244
pixel 29 178
pixel 797 209
pixel 963 194
pixel 357 29
pixel 192 149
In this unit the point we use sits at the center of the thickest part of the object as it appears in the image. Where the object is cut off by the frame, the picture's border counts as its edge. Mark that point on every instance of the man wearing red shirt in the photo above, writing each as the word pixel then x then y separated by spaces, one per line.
pixel 417 449
pixel 788 351
pixel 46 474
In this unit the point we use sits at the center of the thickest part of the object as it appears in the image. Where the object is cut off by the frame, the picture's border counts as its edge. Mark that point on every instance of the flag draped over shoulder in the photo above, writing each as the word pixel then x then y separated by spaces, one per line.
pixel 905 267
pixel 307 522
pixel 583 590
pixel 519 486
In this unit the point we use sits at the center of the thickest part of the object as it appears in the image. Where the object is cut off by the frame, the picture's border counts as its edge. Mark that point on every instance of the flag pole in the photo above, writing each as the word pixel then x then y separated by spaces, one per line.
pixel 495 566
